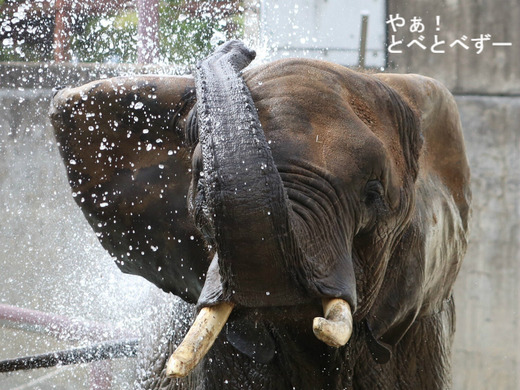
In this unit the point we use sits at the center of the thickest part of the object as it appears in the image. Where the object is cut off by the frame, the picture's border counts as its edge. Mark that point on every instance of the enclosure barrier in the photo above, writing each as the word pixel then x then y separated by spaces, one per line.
pixel 121 344
pixel 101 351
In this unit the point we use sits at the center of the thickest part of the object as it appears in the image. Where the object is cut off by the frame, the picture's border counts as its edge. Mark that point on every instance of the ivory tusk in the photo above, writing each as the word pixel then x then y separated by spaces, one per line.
pixel 198 340
pixel 336 328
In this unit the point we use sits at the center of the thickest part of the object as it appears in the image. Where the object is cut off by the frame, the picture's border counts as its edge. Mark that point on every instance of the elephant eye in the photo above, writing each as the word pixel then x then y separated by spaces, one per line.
pixel 373 192
pixel 192 127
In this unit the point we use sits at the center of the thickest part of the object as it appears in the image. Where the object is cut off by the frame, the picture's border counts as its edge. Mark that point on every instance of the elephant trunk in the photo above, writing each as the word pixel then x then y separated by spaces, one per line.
pixel 240 202
pixel 239 190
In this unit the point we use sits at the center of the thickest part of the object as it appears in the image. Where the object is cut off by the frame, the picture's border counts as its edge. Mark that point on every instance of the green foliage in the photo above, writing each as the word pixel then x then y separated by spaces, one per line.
pixel 111 38
pixel 185 35
pixel 185 38
pixel 25 39
pixel 24 52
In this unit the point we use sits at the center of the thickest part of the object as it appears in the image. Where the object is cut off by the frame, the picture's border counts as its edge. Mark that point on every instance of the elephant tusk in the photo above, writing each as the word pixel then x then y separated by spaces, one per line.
pixel 198 340
pixel 336 328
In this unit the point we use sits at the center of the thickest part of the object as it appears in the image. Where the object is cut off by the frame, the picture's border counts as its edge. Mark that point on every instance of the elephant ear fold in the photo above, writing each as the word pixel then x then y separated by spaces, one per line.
pixel 122 143
pixel 398 302
pixel 380 351
pixel 380 342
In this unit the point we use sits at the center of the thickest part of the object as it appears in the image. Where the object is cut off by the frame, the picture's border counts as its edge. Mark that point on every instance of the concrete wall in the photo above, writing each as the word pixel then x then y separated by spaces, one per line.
pixel 495 71
pixel 329 30
pixel 51 261
pixel 487 292
pixel 487 88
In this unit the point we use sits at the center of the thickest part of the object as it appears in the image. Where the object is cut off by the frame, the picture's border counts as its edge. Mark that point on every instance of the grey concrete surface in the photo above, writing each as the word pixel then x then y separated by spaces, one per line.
pixel 493 71
pixel 487 292
pixel 50 260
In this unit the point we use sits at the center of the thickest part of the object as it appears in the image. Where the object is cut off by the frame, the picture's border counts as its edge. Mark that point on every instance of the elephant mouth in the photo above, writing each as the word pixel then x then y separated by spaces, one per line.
pixel 334 329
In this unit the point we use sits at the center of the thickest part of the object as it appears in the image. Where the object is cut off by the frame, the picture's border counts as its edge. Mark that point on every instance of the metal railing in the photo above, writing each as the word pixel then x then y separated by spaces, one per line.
pixel 105 342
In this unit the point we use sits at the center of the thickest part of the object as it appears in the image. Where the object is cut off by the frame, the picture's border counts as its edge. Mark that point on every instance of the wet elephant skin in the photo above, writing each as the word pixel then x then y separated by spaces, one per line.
pixel 288 183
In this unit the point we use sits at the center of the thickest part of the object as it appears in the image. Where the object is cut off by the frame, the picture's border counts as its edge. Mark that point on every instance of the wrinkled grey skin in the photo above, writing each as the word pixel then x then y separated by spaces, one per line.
pixel 307 181
pixel 232 161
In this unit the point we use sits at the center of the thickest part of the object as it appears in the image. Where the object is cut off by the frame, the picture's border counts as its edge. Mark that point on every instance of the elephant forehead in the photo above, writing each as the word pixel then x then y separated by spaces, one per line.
pixel 329 115
pixel 333 138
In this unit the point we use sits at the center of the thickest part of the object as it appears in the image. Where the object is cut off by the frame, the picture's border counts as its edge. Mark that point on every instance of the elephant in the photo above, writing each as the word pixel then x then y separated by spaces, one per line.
pixel 315 217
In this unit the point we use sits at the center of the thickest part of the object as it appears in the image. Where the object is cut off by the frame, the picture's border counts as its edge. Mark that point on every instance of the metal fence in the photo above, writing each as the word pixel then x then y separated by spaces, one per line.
pixel 104 343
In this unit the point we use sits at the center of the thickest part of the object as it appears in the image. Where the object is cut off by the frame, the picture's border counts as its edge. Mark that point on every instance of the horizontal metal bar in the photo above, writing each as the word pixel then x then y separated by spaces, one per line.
pixel 107 350
pixel 57 325
pixel 324 49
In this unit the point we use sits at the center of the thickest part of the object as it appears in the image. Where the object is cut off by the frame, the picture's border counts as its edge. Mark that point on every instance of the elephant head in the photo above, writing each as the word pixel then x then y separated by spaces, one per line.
pixel 294 191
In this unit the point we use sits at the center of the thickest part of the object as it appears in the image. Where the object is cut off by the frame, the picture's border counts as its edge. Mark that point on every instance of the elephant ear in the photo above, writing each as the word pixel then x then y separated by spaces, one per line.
pixel 406 292
pixel 400 295
pixel 124 152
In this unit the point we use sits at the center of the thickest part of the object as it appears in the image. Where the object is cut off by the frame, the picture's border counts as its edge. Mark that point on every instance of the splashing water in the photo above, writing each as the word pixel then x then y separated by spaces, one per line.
pixel 50 260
